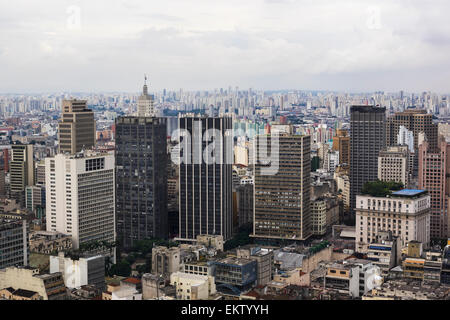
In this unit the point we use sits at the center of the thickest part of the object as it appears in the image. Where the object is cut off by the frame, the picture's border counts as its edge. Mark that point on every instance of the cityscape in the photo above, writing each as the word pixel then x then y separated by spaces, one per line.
pixel 234 193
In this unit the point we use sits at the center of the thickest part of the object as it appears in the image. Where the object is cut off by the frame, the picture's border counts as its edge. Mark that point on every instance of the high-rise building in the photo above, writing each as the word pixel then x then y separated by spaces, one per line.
pixel 21 171
pixel 434 176
pixel 76 128
pixel 205 194
pixel 282 198
pixel 341 143
pixel 145 103
pixel 14 243
pixel 2 182
pixel 393 164
pixel 141 178
pixel 415 121
pixel 367 138
pixel 80 196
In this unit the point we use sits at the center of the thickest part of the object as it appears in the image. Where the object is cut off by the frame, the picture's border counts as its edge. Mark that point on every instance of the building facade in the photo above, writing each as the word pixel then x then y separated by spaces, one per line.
pixel 206 195
pixel 282 193
pixel 406 213
pixel 434 176
pixel 367 138
pixel 80 196
pixel 76 128
pixel 141 178
pixel 14 244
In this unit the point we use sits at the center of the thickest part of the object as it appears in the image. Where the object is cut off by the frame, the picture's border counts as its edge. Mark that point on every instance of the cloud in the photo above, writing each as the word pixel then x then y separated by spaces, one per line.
pixel 360 45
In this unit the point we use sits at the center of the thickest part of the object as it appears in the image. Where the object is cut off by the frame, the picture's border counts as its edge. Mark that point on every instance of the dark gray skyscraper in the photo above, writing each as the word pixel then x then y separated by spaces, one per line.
pixel 205 194
pixel 367 138
pixel 141 178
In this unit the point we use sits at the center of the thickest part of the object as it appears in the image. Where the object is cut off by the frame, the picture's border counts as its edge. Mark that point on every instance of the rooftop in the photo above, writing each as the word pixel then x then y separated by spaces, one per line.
pixel 410 193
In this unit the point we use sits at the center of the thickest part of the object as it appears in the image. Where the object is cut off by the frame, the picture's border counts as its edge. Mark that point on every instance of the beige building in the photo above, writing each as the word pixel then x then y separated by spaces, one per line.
pixel 393 164
pixel 165 261
pixel 21 171
pixel 46 242
pixel 282 188
pixel 192 286
pixel 324 214
pixel 76 128
pixel 342 179
pixel 406 213
pixel 48 286
pixel 211 241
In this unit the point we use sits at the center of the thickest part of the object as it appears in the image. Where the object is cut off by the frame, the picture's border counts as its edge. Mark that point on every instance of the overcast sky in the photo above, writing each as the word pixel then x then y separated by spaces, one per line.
pixel 107 45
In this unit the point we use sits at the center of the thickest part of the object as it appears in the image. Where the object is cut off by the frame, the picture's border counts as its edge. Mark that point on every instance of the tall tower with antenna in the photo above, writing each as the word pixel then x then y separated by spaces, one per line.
pixel 145 102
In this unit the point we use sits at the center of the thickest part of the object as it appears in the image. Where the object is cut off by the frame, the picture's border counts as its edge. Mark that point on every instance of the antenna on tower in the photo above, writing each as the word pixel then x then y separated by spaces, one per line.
pixel 145 79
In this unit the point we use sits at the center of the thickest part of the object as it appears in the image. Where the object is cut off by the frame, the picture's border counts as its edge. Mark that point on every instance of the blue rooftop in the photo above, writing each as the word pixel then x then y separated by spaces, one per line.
pixel 408 192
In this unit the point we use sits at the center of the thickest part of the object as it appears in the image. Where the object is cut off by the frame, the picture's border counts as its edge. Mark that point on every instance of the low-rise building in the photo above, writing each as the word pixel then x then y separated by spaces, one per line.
pixel 165 261
pixel 47 242
pixel 353 277
pixel 193 286
pixel 79 271
pixel 385 252
pixel 405 289
pixel 264 258
pixel 235 274
pixel 211 241
pixel 48 286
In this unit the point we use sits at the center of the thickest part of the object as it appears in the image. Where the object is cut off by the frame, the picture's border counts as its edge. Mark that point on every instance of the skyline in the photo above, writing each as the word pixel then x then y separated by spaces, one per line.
pixel 356 46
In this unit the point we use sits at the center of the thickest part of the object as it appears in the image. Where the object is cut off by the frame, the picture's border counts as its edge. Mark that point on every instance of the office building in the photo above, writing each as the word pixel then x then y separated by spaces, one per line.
pixel 341 144
pixel 76 129
pixel 414 120
pixel 14 244
pixel 434 176
pixel 141 178
pixel 21 171
pixel 367 138
pixel 205 198
pixel 244 198
pixel 406 213
pixel 393 165
pixel 80 196
pixel 282 192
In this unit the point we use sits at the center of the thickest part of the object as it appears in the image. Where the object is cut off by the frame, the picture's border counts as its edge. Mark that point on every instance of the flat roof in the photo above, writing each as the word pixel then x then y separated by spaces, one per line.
pixel 408 192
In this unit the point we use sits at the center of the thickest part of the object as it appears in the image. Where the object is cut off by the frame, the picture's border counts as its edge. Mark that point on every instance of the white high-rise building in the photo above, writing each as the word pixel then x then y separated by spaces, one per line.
pixel 406 137
pixel 80 196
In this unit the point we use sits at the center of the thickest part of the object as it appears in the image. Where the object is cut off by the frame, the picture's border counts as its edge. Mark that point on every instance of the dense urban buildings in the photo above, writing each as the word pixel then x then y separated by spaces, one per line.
pixel 141 179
